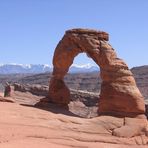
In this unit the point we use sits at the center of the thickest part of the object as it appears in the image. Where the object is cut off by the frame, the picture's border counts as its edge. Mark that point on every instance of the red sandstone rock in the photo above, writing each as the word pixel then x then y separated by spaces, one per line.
pixel 132 127
pixel 27 127
pixel 119 127
pixel 119 93
pixel 6 99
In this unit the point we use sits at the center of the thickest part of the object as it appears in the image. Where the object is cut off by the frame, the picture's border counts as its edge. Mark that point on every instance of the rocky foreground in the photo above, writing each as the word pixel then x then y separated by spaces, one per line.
pixel 28 127
pixel 25 124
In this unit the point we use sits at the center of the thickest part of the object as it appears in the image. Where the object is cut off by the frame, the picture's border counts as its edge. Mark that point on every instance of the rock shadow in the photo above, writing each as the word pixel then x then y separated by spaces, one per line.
pixel 52 107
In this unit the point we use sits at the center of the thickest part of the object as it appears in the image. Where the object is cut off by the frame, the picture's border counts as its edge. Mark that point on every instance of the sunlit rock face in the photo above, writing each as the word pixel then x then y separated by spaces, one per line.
pixel 119 94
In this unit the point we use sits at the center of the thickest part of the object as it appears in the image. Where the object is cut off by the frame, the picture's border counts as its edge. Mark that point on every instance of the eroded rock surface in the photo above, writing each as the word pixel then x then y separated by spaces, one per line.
pixel 107 129
pixel 22 126
pixel 119 94
pixel 82 103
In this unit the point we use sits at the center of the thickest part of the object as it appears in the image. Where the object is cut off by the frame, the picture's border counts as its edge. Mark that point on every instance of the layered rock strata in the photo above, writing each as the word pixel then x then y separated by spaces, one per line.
pixel 119 94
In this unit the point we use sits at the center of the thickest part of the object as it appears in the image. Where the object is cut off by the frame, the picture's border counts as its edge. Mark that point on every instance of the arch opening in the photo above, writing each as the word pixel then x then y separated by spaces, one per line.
pixel 83 77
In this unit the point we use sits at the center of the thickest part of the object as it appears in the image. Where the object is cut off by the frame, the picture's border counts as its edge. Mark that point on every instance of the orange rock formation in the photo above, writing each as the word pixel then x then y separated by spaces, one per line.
pixel 119 93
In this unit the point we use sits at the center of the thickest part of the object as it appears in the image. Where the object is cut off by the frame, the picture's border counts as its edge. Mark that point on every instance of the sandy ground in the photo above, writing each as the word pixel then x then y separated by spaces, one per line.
pixel 30 127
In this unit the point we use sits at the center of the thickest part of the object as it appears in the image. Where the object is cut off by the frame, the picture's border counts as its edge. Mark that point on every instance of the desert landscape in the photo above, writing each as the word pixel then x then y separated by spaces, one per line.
pixel 103 109
pixel 73 74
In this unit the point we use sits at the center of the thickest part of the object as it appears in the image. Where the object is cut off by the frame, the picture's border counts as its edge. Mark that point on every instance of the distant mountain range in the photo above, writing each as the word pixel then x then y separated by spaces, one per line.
pixel 80 81
pixel 42 68
pixel 90 81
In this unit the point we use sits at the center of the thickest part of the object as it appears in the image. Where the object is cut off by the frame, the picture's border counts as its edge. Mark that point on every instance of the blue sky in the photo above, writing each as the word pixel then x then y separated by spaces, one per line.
pixel 31 29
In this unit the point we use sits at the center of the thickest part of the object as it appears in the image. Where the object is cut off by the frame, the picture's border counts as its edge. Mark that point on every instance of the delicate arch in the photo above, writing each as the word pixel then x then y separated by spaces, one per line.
pixel 119 93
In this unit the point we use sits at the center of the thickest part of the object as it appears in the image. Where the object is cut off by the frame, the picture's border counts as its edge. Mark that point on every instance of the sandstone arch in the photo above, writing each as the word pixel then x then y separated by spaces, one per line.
pixel 119 93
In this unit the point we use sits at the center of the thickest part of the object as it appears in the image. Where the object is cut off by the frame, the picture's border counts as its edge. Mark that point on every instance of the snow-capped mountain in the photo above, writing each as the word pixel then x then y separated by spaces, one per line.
pixel 41 68
pixel 75 68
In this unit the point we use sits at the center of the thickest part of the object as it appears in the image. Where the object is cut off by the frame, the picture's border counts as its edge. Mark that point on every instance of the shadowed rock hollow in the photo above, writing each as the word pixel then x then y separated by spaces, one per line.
pixel 119 94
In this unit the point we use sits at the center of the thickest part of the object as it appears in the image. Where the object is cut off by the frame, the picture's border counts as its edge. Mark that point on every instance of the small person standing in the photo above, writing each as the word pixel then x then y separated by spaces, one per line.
pixel 7 91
